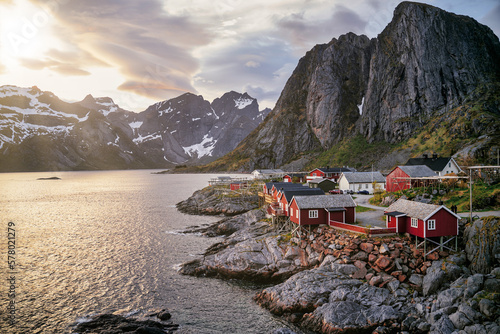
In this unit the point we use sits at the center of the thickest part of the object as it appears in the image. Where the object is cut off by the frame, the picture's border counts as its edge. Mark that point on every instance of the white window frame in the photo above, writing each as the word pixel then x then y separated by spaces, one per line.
pixel 431 224
pixel 297 214
pixel 313 214
pixel 414 222
pixel 291 212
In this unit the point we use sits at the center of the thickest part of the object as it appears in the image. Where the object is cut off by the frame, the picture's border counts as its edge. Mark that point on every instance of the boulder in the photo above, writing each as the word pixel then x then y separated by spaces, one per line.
pixel 416 279
pixel 383 262
pixel 366 247
pixel 301 292
pixel 448 297
pixel 437 274
pixel 489 308
pixel 442 326
pixel 474 284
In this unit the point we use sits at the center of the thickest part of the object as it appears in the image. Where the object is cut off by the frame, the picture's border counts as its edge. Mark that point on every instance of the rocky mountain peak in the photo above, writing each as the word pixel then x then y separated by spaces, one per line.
pixel 424 63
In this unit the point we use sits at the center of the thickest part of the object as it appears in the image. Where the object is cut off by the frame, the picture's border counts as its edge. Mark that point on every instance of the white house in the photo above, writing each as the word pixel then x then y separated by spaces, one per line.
pixel 356 181
pixel 267 173
pixel 440 165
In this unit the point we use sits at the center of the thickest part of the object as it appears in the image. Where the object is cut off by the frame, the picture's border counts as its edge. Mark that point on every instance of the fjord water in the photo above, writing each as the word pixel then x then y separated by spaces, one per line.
pixel 105 242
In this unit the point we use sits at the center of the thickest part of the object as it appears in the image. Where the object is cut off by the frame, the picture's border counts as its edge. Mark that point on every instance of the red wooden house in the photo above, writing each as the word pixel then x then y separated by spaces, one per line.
pixel 322 209
pixel 405 177
pixel 328 173
pixel 238 185
pixel 421 219
pixel 285 196
pixel 299 177
pixel 280 186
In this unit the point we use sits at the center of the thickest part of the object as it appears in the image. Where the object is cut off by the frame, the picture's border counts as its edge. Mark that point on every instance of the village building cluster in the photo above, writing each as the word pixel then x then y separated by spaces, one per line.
pixel 299 201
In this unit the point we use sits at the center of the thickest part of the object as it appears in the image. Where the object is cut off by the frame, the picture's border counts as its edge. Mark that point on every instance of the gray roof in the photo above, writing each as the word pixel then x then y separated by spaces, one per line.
pixel 289 193
pixel 364 177
pixel 413 209
pixel 320 180
pixel 418 171
pixel 324 201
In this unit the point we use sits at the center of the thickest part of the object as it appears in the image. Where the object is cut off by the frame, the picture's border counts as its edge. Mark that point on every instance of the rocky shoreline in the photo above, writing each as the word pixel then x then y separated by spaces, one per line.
pixel 334 282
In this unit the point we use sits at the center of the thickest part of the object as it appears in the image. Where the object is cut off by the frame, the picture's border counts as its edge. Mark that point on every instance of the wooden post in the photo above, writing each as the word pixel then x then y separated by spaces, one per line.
pixel 425 248
pixel 441 243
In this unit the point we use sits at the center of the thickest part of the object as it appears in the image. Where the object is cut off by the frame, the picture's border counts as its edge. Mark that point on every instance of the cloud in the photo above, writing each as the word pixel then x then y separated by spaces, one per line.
pixel 151 48
pixel 301 30
pixel 492 20
pixel 56 66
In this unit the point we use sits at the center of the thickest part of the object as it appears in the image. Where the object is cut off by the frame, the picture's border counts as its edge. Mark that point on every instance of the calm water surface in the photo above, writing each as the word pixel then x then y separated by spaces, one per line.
pixel 105 242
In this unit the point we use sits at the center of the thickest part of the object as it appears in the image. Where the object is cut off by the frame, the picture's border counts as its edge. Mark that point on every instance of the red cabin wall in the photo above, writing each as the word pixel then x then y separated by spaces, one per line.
pixel 391 221
pixel 317 173
pixel 283 204
pixel 446 224
pixel 337 216
pixel 305 220
pixel 287 179
pixel 350 215
pixel 393 184
pixel 419 232
pixel 293 217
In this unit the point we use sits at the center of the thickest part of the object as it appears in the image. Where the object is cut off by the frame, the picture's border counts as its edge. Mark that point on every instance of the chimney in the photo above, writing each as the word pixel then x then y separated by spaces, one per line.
pixel 425 155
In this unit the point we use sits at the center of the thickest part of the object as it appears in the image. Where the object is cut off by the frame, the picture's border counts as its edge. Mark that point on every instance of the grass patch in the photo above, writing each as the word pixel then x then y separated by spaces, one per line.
pixel 360 208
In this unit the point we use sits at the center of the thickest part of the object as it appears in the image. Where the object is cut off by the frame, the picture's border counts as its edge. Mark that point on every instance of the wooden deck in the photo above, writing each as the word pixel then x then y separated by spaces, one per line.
pixel 362 229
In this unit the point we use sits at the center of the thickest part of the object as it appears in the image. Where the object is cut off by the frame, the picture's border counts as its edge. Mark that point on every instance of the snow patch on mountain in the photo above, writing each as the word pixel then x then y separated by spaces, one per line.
pixel 242 103
pixel 202 149
pixel 142 139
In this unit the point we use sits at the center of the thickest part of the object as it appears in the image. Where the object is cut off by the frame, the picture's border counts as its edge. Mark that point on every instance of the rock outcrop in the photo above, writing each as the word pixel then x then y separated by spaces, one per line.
pixel 483 244
pixel 253 252
pixel 216 201
pixel 112 323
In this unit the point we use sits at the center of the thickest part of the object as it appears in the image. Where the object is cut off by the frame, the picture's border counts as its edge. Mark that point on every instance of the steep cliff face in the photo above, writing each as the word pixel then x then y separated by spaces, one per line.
pixel 425 62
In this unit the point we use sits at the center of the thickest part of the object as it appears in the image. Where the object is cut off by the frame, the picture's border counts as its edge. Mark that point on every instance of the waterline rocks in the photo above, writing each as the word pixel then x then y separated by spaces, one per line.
pixel 114 324
pixel 253 252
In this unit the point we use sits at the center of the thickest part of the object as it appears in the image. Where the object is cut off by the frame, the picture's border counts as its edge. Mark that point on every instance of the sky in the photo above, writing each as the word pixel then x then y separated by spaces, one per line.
pixel 139 52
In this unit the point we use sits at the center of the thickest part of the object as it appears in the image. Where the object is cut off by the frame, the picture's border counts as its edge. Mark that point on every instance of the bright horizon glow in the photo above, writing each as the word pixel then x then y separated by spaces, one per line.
pixel 142 53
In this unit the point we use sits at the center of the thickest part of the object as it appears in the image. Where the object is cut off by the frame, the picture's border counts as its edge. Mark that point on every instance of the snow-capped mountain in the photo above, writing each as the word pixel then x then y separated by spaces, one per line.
pixel 189 127
pixel 38 131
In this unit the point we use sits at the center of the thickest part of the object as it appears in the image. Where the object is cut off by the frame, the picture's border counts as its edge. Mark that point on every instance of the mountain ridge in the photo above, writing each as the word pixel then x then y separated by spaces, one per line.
pixel 39 131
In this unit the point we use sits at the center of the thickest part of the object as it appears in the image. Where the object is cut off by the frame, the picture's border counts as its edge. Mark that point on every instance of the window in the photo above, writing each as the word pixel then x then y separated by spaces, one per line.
pixel 313 214
pixel 291 212
pixel 431 224
pixel 449 164
pixel 297 214
pixel 366 186
pixel 414 222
